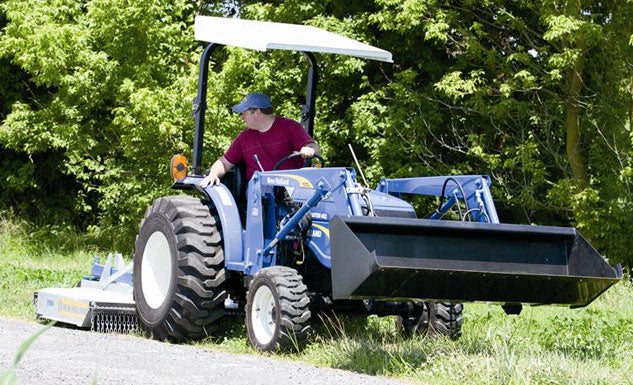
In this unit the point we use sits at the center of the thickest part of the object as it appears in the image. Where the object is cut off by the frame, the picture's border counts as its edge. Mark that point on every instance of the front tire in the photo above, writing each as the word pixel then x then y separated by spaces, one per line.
pixel 277 310
pixel 179 275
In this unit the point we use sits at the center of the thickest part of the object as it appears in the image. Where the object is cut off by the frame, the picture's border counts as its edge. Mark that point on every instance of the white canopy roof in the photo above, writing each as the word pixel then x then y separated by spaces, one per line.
pixel 263 35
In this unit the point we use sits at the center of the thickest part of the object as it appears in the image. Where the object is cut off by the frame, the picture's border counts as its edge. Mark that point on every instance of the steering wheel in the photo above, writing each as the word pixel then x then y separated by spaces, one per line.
pixel 297 154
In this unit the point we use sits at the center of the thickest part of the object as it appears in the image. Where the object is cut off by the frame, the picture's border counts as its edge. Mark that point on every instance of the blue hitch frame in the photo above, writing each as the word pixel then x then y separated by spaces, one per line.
pixel 103 272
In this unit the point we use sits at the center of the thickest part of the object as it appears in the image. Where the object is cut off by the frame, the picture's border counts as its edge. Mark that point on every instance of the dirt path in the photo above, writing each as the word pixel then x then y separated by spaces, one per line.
pixel 69 357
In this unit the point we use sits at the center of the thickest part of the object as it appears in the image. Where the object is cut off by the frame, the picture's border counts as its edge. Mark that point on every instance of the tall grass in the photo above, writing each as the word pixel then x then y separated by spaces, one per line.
pixel 32 258
pixel 542 345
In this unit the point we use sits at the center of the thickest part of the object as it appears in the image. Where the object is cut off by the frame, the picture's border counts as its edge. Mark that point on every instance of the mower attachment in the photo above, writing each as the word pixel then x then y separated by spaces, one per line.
pixel 381 257
pixel 102 302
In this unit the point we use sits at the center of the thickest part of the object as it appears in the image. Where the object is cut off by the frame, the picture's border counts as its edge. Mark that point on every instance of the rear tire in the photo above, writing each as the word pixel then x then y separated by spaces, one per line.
pixel 179 276
pixel 415 321
pixel 432 318
pixel 447 318
pixel 277 310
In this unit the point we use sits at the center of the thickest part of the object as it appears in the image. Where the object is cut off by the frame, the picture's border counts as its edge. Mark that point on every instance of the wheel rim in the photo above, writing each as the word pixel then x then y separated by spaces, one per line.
pixel 156 270
pixel 263 315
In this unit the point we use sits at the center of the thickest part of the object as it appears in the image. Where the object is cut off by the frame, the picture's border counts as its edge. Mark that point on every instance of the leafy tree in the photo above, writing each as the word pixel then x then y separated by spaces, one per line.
pixel 533 93
pixel 97 95
pixel 107 90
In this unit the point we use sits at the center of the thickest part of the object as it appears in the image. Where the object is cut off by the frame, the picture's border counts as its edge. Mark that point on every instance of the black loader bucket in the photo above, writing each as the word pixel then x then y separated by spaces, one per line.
pixel 401 258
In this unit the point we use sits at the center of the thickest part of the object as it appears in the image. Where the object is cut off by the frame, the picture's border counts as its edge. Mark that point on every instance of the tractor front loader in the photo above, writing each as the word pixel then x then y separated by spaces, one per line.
pixel 285 245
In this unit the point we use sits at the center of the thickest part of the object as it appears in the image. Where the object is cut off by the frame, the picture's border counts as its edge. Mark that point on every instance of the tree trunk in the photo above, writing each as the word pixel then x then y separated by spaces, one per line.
pixel 573 143
pixel 631 105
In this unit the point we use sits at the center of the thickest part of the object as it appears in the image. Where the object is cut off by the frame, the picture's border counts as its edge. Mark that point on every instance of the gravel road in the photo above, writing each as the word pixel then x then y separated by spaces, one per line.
pixel 69 357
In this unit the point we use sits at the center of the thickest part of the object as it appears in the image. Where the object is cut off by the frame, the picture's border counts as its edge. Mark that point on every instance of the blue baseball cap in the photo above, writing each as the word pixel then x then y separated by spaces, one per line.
pixel 253 100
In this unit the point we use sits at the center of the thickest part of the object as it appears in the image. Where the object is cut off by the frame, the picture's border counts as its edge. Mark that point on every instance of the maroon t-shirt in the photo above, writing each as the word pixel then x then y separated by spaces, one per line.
pixel 283 138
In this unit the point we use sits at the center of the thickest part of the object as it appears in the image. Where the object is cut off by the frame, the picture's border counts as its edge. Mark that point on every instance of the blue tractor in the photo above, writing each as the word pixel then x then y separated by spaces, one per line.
pixel 289 244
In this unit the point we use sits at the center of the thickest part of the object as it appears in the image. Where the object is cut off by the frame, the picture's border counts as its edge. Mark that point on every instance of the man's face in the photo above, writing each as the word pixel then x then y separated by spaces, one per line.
pixel 250 116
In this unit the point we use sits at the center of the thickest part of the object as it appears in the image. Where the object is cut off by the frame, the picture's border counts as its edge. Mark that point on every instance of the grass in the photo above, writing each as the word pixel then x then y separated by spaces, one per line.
pixel 34 258
pixel 543 345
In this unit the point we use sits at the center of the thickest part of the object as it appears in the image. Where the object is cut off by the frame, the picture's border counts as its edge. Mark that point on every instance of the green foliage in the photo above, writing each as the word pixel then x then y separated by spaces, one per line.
pixel 593 336
pixel 110 89
pixel 37 257
pixel 500 98
pixel 540 346
pixel 97 97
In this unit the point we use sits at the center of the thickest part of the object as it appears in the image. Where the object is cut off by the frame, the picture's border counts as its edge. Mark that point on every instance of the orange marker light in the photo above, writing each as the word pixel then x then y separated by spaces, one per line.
pixel 178 166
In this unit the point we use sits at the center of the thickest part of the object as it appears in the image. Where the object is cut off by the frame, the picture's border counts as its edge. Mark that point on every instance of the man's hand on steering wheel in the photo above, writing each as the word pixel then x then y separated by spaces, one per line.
pixel 307 152
pixel 299 154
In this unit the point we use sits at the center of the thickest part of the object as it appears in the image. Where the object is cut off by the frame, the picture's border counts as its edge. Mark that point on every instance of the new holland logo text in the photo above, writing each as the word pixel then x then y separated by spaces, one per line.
pixel 71 307
pixel 278 181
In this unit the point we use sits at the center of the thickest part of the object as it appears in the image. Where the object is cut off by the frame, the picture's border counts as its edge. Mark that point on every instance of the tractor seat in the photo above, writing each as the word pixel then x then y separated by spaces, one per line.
pixel 235 181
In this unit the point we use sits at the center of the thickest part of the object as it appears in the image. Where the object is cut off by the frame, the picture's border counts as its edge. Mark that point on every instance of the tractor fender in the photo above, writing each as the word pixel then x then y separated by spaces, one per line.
pixel 220 197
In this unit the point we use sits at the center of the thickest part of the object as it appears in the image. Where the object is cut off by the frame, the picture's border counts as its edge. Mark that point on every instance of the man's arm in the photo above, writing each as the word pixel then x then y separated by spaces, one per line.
pixel 219 168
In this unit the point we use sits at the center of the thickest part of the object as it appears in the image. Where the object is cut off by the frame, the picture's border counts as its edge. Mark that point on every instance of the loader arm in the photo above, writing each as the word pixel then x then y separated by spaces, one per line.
pixel 474 190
